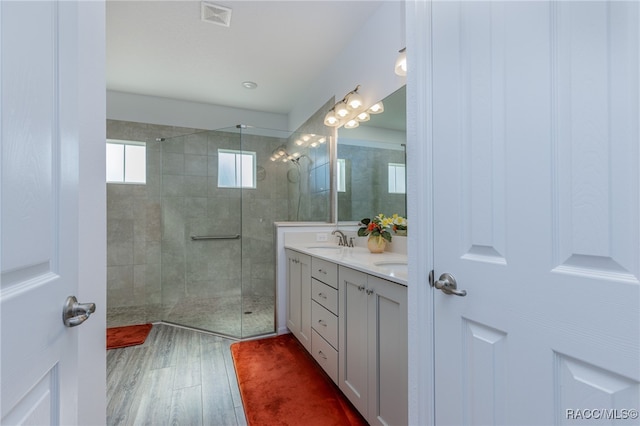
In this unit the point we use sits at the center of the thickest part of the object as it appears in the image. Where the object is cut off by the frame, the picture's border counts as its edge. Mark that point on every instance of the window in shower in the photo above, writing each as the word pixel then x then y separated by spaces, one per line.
pixel 341 172
pixel 126 161
pixel 236 169
pixel 397 179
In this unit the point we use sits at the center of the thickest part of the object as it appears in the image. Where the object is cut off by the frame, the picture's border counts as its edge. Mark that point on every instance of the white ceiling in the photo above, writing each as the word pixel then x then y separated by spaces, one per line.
pixel 163 48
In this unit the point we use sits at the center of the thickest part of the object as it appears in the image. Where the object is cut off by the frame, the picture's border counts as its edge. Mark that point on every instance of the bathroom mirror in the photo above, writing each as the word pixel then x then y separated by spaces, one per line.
pixel 371 174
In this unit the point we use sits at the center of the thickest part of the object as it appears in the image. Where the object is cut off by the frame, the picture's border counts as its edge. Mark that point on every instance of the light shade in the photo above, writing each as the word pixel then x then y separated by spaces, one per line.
pixel 363 116
pixel 354 101
pixel 331 120
pixel 376 108
pixel 401 63
pixel 341 109
pixel 351 124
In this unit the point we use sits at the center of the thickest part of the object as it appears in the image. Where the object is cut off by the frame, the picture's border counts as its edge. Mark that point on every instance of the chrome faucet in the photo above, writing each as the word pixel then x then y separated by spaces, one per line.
pixel 343 238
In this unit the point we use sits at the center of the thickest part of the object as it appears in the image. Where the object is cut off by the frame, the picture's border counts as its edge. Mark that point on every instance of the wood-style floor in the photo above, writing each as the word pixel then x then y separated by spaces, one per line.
pixel 177 377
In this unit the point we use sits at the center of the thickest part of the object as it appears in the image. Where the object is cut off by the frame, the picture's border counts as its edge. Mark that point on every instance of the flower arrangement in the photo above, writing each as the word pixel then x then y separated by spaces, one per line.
pixel 380 226
pixel 399 223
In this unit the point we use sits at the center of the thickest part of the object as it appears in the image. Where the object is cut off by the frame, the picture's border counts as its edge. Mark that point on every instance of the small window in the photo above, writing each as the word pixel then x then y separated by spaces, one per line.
pixel 397 178
pixel 236 169
pixel 342 180
pixel 126 162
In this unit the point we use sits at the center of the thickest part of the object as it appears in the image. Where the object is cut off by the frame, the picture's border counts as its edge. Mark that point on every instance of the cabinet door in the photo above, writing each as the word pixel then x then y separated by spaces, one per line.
pixel 293 292
pixel 388 388
pixel 304 334
pixel 352 346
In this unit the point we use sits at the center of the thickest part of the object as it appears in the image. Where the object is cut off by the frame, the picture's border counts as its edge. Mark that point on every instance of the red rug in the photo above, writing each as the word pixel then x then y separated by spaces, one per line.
pixel 281 384
pixel 131 335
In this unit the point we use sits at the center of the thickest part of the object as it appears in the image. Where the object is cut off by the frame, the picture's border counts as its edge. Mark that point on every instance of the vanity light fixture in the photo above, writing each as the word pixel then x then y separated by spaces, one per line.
pixel 307 140
pixel 401 62
pixel 350 111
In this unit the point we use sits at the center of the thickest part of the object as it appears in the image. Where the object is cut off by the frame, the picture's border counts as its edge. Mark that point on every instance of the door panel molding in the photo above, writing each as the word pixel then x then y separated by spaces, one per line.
pixel 40 405
pixel 31 139
pixel 485 372
pixel 594 55
pixel 577 381
pixel 482 164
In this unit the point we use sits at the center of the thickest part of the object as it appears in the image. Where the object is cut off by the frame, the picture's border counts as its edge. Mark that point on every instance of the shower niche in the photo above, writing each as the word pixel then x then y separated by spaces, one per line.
pixel 221 192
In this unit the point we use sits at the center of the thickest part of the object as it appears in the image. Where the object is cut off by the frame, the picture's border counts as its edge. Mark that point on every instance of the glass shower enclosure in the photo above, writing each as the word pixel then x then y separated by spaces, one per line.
pixel 221 193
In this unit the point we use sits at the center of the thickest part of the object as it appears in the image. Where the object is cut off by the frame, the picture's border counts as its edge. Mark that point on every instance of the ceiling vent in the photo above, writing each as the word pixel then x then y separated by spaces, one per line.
pixel 215 14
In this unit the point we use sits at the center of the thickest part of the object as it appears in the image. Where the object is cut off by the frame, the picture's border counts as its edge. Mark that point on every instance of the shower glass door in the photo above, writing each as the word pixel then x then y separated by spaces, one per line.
pixel 222 191
pixel 201 235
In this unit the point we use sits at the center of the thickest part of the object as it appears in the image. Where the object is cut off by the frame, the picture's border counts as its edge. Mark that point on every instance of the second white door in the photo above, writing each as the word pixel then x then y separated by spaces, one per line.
pixel 537 211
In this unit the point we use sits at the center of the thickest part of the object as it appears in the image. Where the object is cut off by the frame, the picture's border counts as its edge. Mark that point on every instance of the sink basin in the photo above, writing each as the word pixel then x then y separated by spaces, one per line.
pixel 393 266
pixel 336 248
pixel 391 263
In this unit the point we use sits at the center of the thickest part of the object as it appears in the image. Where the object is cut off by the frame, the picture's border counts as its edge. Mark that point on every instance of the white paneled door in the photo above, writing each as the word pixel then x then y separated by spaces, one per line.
pixel 41 101
pixel 537 212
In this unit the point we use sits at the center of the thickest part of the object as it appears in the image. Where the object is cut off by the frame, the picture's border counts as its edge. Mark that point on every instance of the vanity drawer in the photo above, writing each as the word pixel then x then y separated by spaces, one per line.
pixel 325 323
pixel 325 271
pixel 325 355
pixel 325 295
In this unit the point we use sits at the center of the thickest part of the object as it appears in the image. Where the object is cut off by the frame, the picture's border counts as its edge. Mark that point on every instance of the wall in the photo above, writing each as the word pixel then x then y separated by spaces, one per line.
pixel 172 112
pixel 368 59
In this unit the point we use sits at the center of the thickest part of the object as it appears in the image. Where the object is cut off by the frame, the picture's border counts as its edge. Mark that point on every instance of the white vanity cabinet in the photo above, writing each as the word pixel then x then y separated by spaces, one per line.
pixel 324 315
pixel 354 324
pixel 372 346
pixel 299 296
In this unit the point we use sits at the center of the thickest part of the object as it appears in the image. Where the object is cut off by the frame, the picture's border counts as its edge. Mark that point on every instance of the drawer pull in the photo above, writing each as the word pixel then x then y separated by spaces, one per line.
pixel 324 296
pixel 370 292
pixel 322 271
pixel 360 288
pixel 322 323
pixel 322 355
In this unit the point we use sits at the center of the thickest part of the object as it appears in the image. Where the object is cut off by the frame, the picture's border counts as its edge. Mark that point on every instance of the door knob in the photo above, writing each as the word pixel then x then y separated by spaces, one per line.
pixel 75 313
pixel 447 283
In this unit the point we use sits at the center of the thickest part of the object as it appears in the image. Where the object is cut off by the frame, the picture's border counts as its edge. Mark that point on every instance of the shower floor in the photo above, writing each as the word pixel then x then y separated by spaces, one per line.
pixel 230 316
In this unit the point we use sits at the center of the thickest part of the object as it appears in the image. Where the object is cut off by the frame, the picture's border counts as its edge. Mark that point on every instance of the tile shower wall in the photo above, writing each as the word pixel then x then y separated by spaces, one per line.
pixel 367 183
pixel 134 232
pixel 310 198
pixel 143 254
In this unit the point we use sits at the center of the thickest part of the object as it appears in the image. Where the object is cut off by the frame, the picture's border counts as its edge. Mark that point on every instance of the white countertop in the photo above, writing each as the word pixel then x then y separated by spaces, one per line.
pixel 387 265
